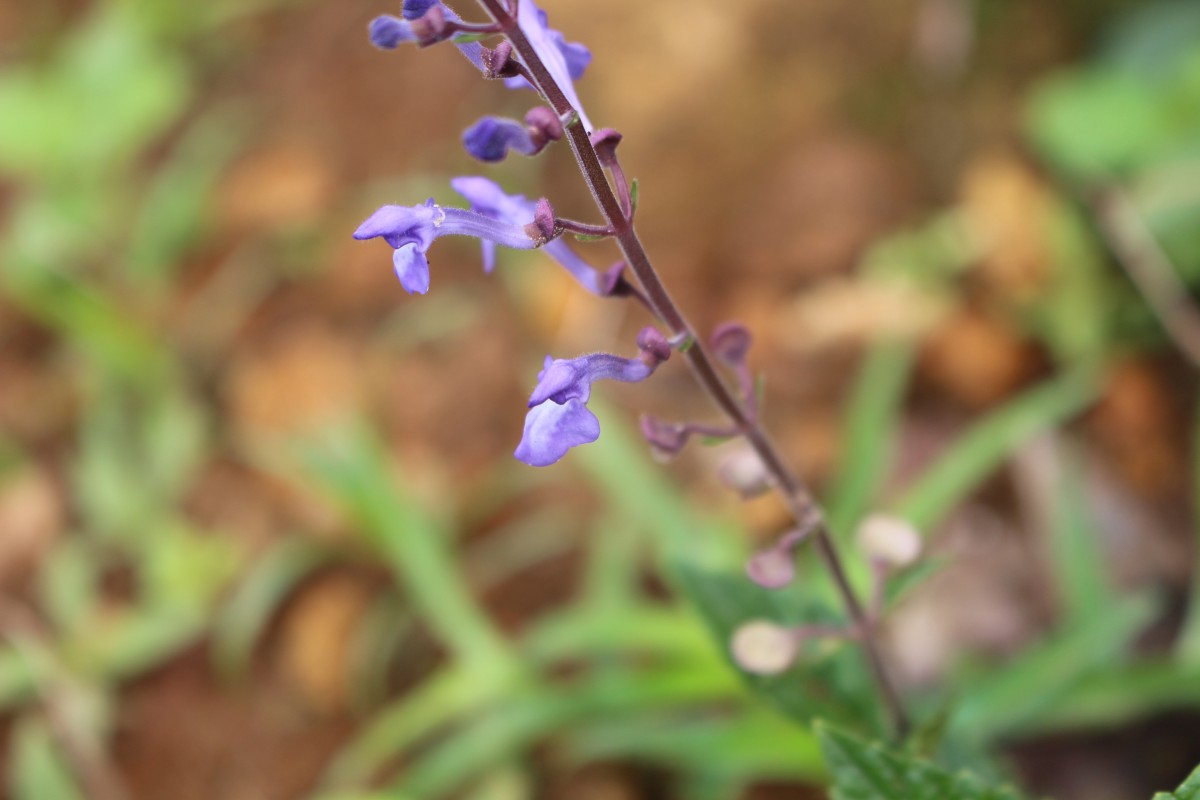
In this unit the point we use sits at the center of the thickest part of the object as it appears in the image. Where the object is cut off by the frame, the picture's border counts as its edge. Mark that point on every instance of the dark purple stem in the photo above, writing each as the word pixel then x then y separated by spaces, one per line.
pixel 799 500
pixel 583 228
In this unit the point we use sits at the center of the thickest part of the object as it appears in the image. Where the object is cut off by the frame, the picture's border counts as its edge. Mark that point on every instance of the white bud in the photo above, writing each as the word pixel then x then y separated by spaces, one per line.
pixel 764 648
pixel 743 471
pixel 772 568
pixel 890 540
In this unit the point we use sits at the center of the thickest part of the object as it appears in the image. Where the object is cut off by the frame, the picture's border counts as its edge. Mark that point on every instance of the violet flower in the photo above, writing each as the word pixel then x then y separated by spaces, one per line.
pixel 420 27
pixel 410 230
pixel 565 61
pixel 487 198
pixel 559 418
pixel 491 138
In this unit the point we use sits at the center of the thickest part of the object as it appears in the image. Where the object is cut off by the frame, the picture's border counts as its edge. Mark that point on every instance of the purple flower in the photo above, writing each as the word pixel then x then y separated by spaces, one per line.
pixel 388 32
pixel 559 418
pixel 564 61
pixel 487 198
pixel 491 138
pixel 410 230
pixel 415 9
pixel 423 22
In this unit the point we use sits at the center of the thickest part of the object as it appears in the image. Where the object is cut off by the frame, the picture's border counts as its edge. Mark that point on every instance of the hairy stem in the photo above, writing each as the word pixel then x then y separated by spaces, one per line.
pixel 799 500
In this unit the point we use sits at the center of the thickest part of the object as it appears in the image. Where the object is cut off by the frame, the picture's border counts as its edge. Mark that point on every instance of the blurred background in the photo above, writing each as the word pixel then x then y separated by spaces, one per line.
pixel 261 532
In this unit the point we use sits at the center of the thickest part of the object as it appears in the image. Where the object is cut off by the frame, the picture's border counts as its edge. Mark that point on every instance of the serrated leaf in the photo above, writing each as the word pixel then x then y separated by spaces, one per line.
pixel 868 771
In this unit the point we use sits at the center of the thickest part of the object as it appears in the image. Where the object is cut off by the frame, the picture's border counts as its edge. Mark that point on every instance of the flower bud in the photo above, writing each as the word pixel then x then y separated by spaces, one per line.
pixel 772 568
pixel 764 648
pixel 889 540
pixel 544 125
pixel 653 344
pixel 743 471
pixel 667 439
pixel 388 33
pixel 605 142
pixel 431 27
pixel 731 342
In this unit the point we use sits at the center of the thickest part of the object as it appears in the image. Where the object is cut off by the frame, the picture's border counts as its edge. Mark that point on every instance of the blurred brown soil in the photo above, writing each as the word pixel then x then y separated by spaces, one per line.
pixel 774 141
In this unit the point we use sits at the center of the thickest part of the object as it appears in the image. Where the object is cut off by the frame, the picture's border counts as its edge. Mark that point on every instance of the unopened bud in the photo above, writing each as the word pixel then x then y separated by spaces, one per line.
pixel 653 344
pixel 666 438
pixel 889 540
pixel 431 27
pixel 764 648
pixel 544 125
pixel 605 142
pixel 772 568
pixel 743 471
pixel 731 342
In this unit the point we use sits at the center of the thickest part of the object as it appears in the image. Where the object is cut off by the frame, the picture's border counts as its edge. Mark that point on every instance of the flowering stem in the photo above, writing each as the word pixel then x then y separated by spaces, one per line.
pixel 798 499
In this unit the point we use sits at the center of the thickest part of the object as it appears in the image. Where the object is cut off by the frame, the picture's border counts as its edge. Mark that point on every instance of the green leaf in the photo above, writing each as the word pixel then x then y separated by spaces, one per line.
pixel 528 716
pixel 1020 694
pixel 983 448
pixel 1094 123
pixel 868 431
pixel 257 597
pixel 37 771
pixel 445 696
pixel 866 771
pixel 1188 790
pixel 351 467
pixel 753 745
pixel 828 679
pixel 1121 693
pixel 1188 645
pixel 67 584
pixel 1076 554
pixel 633 196
pixel 171 216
